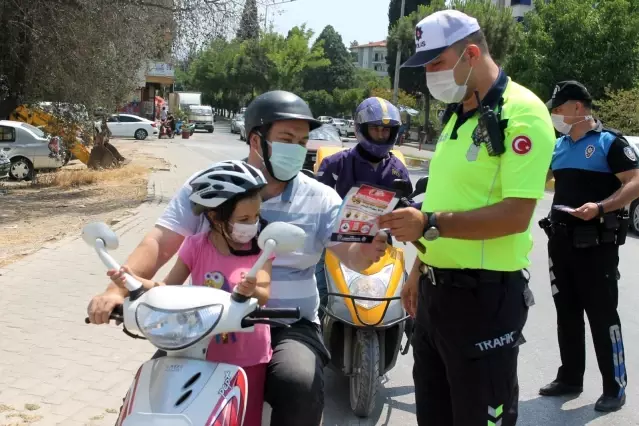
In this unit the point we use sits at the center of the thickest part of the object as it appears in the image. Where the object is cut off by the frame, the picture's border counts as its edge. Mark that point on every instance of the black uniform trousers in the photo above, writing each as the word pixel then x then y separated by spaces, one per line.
pixel 465 346
pixel 585 280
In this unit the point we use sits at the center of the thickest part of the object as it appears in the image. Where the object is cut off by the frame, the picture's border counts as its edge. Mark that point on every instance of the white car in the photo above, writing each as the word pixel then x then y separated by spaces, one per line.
pixel 324 119
pixel 29 149
pixel 345 127
pixel 130 126
pixel 235 123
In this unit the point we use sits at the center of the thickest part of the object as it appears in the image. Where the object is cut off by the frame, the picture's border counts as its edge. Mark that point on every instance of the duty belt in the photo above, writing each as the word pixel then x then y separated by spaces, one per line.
pixel 463 278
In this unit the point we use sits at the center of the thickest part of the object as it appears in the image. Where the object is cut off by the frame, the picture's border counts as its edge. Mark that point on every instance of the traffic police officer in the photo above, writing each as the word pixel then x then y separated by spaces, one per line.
pixel 596 176
pixel 468 291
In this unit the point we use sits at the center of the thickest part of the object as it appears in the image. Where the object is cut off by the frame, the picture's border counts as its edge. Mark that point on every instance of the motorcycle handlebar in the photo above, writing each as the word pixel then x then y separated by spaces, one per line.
pixel 279 313
pixel 117 314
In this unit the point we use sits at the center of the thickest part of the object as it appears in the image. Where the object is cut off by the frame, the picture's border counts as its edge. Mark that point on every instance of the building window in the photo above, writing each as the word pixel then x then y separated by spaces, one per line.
pixel 522 2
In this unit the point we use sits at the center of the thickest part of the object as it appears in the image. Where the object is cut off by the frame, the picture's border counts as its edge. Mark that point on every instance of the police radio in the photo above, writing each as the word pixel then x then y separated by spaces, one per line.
pixel 490 124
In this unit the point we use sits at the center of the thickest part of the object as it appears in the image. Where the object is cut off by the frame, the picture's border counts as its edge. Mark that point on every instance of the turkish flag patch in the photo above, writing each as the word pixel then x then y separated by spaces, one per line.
pixel 522 145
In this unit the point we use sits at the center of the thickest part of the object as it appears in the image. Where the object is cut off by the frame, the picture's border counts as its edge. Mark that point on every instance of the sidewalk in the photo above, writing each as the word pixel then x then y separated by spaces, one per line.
pixel 66 372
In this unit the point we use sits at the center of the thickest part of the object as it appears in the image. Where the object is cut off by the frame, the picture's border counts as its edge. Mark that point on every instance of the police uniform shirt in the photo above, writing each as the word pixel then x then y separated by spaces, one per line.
pixel 464 177
pixel 585 169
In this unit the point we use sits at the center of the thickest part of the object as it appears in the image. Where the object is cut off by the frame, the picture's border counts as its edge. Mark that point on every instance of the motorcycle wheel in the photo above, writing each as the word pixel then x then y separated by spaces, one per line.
pixel 364 383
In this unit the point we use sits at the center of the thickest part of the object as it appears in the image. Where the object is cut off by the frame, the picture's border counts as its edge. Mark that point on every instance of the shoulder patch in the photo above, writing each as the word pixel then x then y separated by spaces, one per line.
pixel 590 149
pixel 522 145
pixel 630 153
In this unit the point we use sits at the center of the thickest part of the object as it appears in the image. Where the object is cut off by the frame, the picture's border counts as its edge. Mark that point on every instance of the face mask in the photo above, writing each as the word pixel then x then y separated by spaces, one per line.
pixel 561 126
pixel 244 232
pixel 443 87
pixel 376 149
pixel 286 160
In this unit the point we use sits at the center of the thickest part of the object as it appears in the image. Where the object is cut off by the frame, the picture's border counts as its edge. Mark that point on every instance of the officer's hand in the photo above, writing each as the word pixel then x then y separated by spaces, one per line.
pixel 405 224
pixel 102 305
pixel 586 212
pixel 409 295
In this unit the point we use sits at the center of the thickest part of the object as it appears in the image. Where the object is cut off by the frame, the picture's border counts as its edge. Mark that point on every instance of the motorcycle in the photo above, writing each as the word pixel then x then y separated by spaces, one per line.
pixel 364 320
pixel 166 130
pixel 182 388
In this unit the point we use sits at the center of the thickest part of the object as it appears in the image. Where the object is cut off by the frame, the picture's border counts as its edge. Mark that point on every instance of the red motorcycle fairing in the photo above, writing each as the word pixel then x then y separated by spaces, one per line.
pixel 128 401
pixel 229 410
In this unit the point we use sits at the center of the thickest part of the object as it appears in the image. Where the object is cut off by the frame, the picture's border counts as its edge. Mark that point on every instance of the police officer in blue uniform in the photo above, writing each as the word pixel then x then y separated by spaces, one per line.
pixel 596 175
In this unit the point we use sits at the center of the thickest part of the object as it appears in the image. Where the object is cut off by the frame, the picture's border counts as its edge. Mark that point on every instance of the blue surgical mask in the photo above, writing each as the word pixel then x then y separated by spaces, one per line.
pixel 287 159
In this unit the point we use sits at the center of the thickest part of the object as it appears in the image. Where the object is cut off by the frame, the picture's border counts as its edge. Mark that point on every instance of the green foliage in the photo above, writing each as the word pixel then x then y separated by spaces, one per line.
pixel 339 73
pixel 620 110
pixel 501 30
pixel 320 101
pixel 593 42
pixel 249 26
pixel 395 8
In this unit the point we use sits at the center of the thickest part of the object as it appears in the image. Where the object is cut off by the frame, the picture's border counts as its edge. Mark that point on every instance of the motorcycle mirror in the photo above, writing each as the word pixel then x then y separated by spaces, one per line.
pixel 402 187
pixel 287 237
pixel 100 230
pixel 420 186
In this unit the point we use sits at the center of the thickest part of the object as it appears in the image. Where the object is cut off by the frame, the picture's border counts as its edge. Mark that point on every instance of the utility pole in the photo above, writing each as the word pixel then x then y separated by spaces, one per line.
pixel 398 61
pixel 272 4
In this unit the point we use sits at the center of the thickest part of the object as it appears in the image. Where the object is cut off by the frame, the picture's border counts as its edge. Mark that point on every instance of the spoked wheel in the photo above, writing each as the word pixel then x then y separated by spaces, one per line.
pixel 364 383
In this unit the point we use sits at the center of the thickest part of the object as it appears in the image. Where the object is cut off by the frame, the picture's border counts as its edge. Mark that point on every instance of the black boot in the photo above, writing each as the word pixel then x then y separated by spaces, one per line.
pixel 608 404
pixel 556 388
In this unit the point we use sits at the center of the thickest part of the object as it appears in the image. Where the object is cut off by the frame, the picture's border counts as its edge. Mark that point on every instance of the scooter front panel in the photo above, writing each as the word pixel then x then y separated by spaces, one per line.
pixel 202 392
pixel 146 419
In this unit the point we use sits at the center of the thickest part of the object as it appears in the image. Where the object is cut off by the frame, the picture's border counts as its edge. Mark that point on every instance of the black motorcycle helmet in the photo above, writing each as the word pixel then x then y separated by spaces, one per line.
pixel 270 107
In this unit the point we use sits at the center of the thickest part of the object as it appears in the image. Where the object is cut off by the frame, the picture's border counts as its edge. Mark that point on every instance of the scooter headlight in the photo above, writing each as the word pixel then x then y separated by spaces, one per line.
pixel 175 330
pixel 374 285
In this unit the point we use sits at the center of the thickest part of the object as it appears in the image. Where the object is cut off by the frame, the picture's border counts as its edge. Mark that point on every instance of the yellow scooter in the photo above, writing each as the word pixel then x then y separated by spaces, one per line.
pixel 364 320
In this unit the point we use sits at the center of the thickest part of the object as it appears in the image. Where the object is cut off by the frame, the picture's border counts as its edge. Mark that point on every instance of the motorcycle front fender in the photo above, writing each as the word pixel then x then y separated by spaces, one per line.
pixel 185 391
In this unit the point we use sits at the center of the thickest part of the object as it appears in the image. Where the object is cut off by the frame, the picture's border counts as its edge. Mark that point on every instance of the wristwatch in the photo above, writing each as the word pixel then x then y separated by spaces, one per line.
pixel 431 230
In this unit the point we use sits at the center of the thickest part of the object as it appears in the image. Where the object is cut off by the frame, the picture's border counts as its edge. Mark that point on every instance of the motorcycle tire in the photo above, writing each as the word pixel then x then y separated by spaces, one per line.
pixel 364 383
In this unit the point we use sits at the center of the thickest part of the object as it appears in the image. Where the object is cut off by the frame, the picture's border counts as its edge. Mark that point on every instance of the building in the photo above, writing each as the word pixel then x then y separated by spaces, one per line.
pixel 519 7
pixel 371 56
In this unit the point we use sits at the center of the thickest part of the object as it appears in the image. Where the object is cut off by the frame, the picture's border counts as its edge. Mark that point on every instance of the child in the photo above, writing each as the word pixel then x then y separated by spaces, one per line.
pixel 228 194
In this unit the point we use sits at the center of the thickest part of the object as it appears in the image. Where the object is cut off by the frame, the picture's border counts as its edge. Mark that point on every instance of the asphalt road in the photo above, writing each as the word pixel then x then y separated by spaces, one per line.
pixel 539 357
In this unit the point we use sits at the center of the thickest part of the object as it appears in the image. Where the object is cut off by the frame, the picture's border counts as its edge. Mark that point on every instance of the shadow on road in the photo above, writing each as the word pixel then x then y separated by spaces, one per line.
pixel 549 412
pixel 337 411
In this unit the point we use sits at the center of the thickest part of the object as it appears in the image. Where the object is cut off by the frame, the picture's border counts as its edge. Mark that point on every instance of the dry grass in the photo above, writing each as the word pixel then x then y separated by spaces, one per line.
pixel 66 179
pixel 58 204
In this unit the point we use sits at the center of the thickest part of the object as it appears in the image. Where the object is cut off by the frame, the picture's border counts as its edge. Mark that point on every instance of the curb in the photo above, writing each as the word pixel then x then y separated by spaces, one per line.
pixel 421 163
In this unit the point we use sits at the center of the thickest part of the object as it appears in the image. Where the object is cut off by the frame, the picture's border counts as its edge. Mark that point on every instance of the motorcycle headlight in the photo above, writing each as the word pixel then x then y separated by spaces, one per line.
pixel 175 330
pixel 368 285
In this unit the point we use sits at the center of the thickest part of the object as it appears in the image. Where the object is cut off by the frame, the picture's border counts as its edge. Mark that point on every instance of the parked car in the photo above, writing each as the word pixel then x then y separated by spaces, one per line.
pixel 325 135
pixel 235 128
pixel 346 128
pixel 5 166
pixel 634 206
pixel 325 119
pixel 129 126
pixel 29 149
pixel 242 131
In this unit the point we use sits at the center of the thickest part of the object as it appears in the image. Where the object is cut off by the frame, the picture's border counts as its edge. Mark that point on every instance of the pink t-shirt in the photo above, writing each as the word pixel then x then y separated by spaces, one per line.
pixel 210 268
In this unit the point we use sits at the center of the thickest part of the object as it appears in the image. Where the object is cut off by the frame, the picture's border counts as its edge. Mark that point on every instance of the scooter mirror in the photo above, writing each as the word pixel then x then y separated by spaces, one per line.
pixel 420 186
pixel 287 237
pixel 403 187
pixel 101 230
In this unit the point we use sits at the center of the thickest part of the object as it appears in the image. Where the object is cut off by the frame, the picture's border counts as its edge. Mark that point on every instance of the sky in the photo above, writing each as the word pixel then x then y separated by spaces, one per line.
pixel 361 20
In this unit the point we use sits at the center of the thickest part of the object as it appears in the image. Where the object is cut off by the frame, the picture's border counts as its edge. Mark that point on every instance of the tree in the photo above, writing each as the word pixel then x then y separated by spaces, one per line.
pixel 403 99
pixel 620 110
pixel 395 8
pixel 601 50
pixel 91 52
pixel 501 30
pixel 339 72
pixel 249 26
pixel 320 101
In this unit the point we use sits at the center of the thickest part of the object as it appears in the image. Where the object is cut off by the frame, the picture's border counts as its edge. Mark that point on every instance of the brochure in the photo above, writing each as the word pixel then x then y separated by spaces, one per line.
pixel 362 206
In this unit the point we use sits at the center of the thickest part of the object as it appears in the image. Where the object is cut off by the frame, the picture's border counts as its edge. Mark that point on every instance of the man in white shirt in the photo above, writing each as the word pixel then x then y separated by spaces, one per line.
pixel 163 114
pixel 278 123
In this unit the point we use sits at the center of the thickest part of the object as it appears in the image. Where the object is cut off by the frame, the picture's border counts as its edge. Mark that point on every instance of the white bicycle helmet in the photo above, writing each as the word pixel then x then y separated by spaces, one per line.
pixel 223 181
